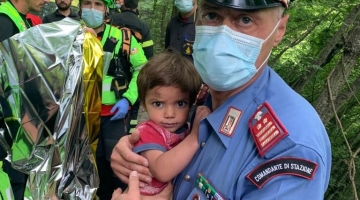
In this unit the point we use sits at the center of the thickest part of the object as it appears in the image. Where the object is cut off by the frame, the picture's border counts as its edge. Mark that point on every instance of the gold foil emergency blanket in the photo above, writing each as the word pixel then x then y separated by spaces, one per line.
pixel 43 79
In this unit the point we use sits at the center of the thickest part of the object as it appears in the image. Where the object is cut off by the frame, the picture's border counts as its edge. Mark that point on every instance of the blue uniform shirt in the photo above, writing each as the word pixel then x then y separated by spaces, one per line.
pixel 225 158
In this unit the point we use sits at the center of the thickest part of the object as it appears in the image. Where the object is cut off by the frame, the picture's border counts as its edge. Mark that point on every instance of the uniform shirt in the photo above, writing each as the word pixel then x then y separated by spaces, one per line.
pixel 128 18
pixel 56 16
pixel 178 31
pixel 228 164
pixel 155 137
pixel 137 59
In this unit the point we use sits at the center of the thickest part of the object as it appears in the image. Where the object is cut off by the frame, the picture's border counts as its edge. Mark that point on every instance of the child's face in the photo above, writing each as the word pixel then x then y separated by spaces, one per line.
pixel 167 106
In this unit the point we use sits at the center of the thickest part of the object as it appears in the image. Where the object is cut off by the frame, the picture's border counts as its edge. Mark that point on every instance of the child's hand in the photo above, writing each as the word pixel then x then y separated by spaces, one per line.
pixel 201 113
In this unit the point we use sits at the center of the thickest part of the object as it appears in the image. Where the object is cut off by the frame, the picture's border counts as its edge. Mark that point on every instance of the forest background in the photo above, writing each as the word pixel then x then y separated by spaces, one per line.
pixel 319 57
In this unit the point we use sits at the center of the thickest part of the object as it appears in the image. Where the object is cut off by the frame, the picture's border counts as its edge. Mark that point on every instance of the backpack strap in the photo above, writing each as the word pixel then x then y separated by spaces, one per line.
pixel 126 42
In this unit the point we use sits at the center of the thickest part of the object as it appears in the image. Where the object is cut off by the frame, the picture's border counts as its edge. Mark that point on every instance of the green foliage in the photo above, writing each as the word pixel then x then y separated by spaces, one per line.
pixel 311 27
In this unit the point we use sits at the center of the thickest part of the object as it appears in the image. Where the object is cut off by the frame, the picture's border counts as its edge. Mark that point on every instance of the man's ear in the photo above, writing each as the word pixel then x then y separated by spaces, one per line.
pixel 281 30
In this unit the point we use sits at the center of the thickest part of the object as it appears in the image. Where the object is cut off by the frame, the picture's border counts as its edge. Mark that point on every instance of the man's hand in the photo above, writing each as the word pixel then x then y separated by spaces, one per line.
pixel 124 160
pixel 133 192
pixel 121 108
pixel 90 30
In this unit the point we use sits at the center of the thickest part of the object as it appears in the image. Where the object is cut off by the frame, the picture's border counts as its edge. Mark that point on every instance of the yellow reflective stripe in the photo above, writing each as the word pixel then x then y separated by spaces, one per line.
pixel 147 43
pixel 106 87
pixel 137 69
pixel 133 122
pixel 131 130
pixel 105 34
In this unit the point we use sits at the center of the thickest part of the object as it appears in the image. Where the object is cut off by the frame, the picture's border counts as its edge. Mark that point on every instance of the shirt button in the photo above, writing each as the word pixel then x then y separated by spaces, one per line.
pixel 187 178
pixel 203 144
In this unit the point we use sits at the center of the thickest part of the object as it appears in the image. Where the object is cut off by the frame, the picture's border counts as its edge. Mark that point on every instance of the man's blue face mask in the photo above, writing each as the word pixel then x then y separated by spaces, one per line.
pixel 93 18
pixel 225 59
pixel 117 6
pixel 184 6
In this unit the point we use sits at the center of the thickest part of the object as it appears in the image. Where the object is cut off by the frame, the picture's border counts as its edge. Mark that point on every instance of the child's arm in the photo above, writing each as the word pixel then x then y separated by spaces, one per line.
pixel 164 166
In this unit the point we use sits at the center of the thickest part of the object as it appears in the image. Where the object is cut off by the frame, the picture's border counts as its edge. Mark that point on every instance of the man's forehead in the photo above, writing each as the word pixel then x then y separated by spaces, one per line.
pixel 248 4
pixel 93 1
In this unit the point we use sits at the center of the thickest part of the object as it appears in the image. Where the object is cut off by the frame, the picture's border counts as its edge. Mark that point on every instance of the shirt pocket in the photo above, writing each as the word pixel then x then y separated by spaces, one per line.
pixel 196 194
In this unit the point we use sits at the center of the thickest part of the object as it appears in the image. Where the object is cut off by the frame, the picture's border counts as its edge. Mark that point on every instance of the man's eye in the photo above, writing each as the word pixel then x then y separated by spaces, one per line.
pixel 245 20
pixel 210 18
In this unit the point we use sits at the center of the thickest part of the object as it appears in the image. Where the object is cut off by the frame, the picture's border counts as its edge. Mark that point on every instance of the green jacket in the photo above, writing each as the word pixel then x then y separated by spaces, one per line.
pixel 5 187
pixel 8 9
pixel 137 60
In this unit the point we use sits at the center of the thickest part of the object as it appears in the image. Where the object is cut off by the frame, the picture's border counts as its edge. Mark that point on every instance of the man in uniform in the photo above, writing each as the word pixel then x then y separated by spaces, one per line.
pixel 63 10
pixel 180 31
pixel 119 90
pixel 13 16
pixel 128 18
pixel 277 146
pixel 13 20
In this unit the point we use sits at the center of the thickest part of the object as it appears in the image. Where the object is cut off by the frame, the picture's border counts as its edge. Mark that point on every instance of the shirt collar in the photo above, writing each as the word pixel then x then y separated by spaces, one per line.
pixel 239 101
pixel 72 13
pixel 129 11
pixel 190 19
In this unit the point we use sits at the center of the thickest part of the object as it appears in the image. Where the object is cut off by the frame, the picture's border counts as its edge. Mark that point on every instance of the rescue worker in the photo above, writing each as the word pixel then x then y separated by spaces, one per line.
pixel 128 18
pixel 13 16
pixel 63 10
pixel 13 20
pixel 262 139
pixel 119 90
pixel 180 31
pixel 115 7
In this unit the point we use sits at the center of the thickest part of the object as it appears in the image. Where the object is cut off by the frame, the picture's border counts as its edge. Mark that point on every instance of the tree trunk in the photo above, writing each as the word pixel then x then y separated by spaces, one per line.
pixel 339 75
pixel 332 46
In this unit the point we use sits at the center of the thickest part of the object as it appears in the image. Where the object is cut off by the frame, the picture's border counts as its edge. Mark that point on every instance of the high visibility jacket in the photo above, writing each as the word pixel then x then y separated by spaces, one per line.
pixel 6 192
pixel 8 9
pixel 137 60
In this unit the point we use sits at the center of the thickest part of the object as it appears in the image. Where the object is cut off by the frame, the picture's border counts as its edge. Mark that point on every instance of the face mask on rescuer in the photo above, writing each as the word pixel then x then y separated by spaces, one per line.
pixel 118 6
pixel 93 18
pixel 184 6
pixel 225 59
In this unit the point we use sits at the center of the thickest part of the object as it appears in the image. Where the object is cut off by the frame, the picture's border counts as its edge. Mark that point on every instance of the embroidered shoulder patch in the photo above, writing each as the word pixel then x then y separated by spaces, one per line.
pixel 282 166
pixel 266 129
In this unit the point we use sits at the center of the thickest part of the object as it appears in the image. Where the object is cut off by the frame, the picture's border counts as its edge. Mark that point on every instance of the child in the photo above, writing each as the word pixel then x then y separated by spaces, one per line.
pixel 168 85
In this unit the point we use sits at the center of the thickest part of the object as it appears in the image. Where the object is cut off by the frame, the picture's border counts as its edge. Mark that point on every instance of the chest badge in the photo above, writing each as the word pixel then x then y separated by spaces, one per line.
pixel 209 191
pixel 230 121
pixel 187 48
pixel 266 129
